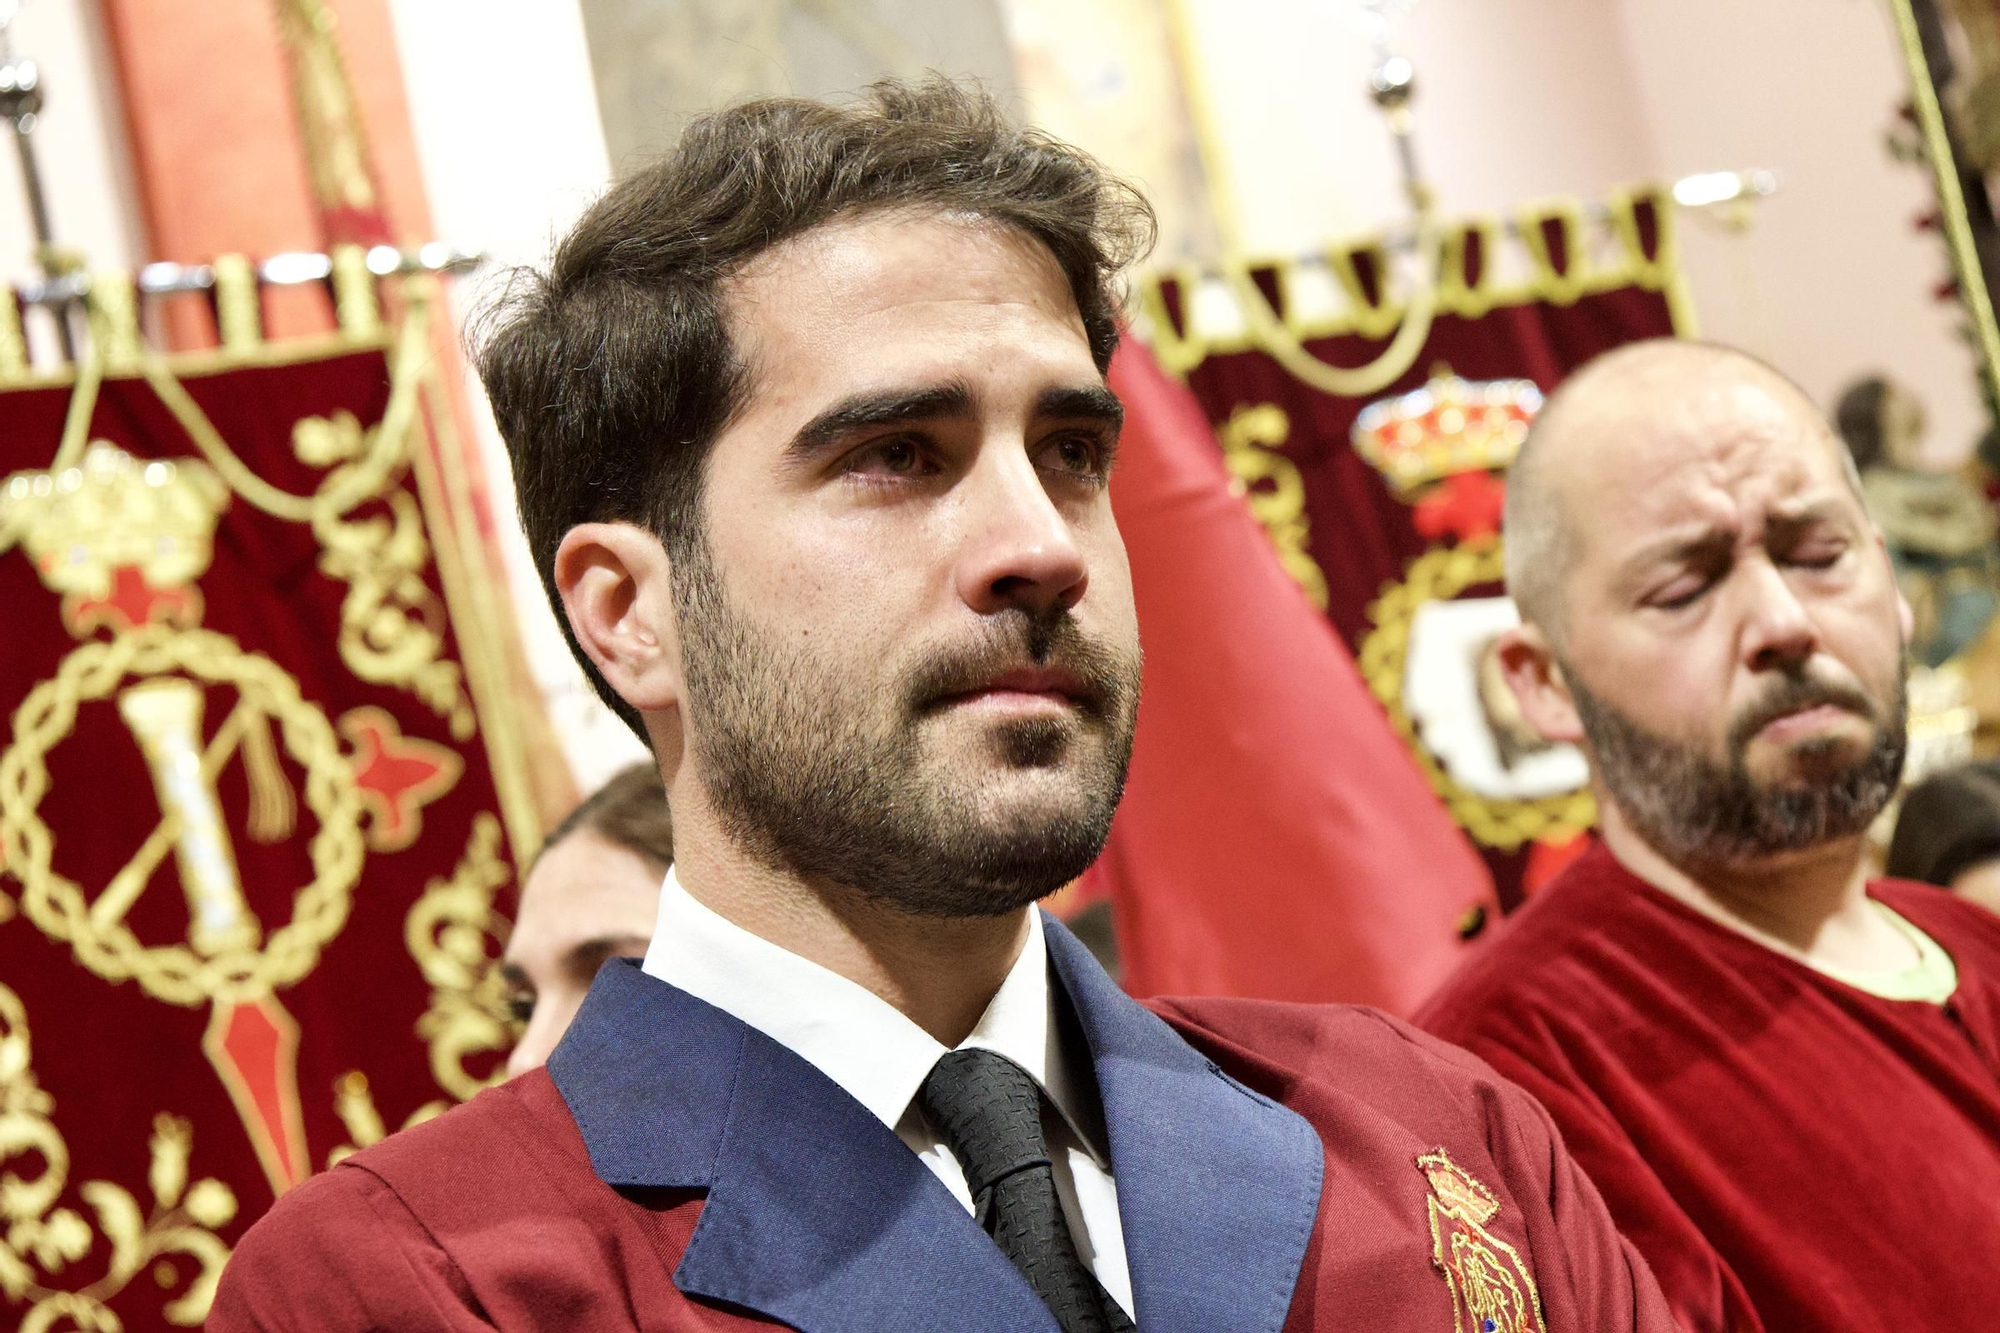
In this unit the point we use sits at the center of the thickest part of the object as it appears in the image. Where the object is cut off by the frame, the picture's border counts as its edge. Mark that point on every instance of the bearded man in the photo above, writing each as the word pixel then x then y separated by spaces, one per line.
pixel 811 437
pixel 1784 1079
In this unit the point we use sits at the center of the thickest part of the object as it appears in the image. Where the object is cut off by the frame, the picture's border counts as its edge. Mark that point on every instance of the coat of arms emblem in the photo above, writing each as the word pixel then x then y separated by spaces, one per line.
pixel 1492 1290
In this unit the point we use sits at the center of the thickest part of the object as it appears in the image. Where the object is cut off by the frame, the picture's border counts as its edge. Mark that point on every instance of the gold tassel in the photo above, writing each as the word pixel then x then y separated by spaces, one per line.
pixel 273 808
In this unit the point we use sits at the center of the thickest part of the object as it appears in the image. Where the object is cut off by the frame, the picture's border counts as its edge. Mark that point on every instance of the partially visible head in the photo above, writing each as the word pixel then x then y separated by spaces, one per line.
pixel 591 894
pixel 1881 422
pixel 1948 833
pixel 1707 608
pixel 809 428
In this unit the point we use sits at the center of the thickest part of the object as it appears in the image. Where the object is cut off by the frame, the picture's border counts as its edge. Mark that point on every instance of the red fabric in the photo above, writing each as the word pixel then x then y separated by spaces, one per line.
pixel 252 1071
pixel 1789 1153
pixel 436 1230
pixel 1275 839
pixel 1362 537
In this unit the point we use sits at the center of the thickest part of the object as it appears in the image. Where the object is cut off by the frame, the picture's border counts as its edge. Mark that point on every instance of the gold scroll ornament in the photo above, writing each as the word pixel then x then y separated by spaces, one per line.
pixel 454 931
pixel 41 1236
pixel 1273 489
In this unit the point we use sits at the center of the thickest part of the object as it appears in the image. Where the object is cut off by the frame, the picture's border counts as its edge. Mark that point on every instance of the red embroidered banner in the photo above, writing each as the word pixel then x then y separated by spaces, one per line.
pixel 1383 538
pixel 256 800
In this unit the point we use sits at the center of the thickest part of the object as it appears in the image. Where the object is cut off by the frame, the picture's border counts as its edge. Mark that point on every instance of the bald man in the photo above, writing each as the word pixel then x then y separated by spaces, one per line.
pixel 1784 1078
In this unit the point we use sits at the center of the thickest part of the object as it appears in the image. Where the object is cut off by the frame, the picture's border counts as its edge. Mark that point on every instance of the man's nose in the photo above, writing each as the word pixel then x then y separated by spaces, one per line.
pixel 1778 630
pixel 1020 549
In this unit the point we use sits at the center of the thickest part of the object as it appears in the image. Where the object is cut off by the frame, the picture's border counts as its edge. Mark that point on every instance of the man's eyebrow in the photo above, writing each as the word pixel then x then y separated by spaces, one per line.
pixel 888 407
pixel 1829 509
pixel 1094 403
pixel 514 974
pixel 1680 548
pixel 593 951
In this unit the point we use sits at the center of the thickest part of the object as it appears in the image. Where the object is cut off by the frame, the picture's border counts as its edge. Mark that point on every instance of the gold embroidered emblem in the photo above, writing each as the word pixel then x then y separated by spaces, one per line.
pixel 1492 1290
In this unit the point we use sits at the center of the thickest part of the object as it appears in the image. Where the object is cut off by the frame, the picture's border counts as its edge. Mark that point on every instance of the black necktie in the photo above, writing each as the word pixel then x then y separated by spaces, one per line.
pixel 990 1114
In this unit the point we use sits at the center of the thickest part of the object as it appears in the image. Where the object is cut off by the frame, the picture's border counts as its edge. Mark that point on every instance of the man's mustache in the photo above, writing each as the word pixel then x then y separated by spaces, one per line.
pixel 1014 640
pixel 1795 693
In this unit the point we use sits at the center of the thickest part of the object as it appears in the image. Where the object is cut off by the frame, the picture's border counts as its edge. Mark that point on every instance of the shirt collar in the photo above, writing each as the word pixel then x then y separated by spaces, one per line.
pixel 846 1031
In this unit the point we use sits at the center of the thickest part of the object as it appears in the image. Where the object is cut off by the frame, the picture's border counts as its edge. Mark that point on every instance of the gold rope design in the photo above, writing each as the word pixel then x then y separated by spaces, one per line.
pixel 176 973
pixel 349 484
pixel 1413 327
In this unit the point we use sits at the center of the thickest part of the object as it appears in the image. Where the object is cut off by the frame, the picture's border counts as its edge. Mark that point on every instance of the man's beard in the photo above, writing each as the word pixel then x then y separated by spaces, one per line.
pixel 812 771
pixel 1697 811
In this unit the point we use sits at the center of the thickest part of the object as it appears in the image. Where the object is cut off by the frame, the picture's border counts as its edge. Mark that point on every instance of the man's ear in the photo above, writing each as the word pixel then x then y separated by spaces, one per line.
pixel 1528 661
pixel 615 585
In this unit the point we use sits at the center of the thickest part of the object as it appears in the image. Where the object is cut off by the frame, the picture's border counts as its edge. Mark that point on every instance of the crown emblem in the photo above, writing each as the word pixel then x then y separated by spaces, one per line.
pixel 1449 426
pixel 115 532
pixel 1456 1188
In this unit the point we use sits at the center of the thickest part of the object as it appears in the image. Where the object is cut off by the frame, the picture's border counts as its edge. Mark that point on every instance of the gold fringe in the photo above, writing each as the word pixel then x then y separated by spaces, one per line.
pixel 1181 345
pixel 239 317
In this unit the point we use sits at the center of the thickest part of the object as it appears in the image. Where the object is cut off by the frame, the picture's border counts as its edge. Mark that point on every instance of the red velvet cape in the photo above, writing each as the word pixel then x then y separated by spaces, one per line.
pixel 1791 1154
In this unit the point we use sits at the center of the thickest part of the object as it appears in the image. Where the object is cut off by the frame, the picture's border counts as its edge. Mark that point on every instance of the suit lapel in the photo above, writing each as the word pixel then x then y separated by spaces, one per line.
pixel 817 1214
pixel 1218 1187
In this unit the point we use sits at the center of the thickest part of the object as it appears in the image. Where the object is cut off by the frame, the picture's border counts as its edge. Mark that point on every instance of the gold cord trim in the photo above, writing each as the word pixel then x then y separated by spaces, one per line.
pixel 1182 344
pixel 446 495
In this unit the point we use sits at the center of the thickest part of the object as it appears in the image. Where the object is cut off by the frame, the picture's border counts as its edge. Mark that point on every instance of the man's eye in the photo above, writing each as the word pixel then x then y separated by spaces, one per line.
pixel 896 458
pixel 521 1006
pixel 1077 454
pixel 1822 555
pixel 1679 593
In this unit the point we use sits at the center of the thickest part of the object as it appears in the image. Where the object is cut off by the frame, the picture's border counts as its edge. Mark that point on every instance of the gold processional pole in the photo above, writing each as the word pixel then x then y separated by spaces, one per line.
pixel 1971 276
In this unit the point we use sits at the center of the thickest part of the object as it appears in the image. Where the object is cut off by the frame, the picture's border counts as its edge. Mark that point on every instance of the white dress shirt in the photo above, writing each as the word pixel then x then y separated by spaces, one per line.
pixel 881 1058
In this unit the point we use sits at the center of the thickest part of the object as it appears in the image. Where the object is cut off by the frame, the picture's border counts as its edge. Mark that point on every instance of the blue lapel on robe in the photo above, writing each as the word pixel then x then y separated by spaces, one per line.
pixel 819 1216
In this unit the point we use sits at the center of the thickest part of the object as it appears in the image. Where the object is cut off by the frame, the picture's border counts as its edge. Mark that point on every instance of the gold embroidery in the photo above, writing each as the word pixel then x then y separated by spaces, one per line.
pixel 180 973
pixel 1181 345
pixel 1274 490
pixel 1443 573
pixel 392 626
pixel 42 1237
pixel 355 1105
pixel 1492 1290
pixel 455 935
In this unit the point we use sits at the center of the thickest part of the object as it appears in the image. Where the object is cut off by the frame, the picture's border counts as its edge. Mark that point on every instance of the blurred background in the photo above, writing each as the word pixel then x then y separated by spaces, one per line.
pixel 289 712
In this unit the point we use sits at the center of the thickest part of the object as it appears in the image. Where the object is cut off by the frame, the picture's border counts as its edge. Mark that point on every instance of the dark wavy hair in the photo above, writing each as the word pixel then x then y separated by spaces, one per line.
pixel 612 373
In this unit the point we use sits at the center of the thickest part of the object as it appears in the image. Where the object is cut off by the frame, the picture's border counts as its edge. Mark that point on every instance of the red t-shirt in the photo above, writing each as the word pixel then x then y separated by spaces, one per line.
pixel 1788 1152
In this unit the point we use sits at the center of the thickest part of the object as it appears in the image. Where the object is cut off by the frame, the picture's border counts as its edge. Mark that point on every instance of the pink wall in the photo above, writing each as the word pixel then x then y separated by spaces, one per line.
pixel 1841 281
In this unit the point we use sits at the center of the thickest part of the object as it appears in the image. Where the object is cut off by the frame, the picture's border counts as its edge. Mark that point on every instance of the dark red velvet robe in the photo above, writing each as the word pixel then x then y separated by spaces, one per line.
pixel 1791 1154
pixel 675 1169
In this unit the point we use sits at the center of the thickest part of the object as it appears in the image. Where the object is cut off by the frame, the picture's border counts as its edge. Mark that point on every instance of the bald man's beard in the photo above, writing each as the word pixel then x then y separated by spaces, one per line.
pixel 1697 811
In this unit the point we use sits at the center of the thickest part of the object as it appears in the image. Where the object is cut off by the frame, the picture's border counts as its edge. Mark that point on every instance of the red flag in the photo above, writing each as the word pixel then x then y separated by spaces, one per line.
pixel 1276 839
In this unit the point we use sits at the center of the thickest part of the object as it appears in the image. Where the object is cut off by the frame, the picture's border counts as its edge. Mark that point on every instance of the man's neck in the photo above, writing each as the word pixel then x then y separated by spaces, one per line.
pixel 1810 904
pixel 941 973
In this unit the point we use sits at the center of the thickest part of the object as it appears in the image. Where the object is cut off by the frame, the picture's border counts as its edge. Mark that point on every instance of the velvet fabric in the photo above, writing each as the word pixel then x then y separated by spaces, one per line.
pixel 674 1169
pixel 1362 536
pixel 156 1093
pixel 1791 1154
